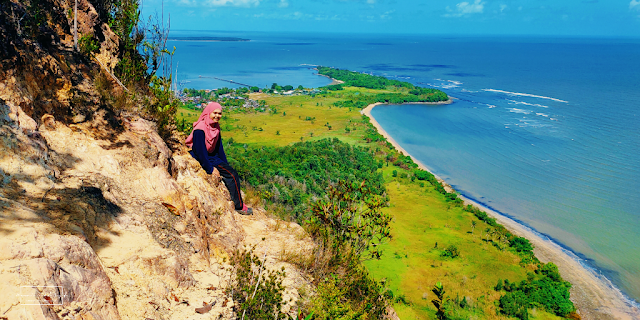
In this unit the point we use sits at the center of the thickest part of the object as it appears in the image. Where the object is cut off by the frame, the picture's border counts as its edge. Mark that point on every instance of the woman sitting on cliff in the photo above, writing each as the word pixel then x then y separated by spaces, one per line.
pixel 206 147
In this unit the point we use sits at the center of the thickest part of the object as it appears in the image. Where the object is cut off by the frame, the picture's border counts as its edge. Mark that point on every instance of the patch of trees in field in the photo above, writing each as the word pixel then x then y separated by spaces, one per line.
pixel 543 288
pixel 297 175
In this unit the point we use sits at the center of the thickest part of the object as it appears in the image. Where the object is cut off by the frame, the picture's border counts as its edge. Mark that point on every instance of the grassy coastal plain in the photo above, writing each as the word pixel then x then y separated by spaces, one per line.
pixel 424 223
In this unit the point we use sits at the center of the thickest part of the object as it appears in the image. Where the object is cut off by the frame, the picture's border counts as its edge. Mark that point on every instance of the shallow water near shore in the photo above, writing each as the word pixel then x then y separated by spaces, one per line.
pixel 546 131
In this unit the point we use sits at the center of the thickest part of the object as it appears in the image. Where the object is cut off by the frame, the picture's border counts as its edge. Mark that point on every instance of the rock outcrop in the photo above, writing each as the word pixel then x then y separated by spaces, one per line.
pixel 95 228
pixel 99 219
pixel 40 71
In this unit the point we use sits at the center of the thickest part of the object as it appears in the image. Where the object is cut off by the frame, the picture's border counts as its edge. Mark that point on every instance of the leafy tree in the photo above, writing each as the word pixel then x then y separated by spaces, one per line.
pixel 521 244
pixel 439 301
pixel 349 228
pixel 276 87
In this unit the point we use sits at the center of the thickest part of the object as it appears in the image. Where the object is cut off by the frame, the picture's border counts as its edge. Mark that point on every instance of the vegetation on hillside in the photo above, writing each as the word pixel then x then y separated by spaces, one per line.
pixel 297 175
pixel 471 250
pixel 143 68
pixel 334 190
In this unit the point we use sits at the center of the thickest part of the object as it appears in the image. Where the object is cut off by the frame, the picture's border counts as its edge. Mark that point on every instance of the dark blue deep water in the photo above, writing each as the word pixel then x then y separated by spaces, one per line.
pixel 546 131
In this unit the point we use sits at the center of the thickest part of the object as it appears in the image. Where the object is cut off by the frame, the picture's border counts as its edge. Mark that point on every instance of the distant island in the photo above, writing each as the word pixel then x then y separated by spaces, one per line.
pixel 207 39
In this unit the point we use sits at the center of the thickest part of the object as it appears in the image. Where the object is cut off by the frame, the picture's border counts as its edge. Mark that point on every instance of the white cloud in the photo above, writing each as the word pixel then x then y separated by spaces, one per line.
pixel 188 3
pixel 325 17
pixel 503 7
pixel 466 8
pixel 634 4
pixel 371 1
pixel 233 3
pixel 386 15
pixel 283 4
pixel 278 15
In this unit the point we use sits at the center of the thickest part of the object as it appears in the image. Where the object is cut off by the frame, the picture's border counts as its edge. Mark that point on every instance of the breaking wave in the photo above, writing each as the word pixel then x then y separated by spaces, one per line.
pixel 525 95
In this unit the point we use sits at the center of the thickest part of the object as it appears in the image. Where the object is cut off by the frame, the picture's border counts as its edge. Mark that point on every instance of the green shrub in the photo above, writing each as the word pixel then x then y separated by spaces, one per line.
pixel 256 292
pixel 498 286
pixel 450 252
pixel 521 244
pixel 546 290
pixel 352 296
pixel 401 298
pixel 349 226
pixel 88 45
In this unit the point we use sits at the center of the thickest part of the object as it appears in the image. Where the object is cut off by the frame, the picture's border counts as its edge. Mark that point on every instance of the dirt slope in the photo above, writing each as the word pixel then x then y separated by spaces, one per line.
pixel 119 228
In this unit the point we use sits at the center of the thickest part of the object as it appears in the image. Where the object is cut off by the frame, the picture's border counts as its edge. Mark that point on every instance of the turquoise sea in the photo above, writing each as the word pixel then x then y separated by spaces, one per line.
pixel 543 130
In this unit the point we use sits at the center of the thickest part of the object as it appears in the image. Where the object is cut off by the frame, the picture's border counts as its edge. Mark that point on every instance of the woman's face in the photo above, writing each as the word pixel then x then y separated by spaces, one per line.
pixel 215 115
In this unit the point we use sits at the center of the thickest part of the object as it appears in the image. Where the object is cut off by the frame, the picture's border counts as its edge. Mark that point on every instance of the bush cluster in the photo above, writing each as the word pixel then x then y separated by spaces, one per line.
pixel 256 291
pixel 295 176
pixel 88 45
pixel 545 289
pixel 354 295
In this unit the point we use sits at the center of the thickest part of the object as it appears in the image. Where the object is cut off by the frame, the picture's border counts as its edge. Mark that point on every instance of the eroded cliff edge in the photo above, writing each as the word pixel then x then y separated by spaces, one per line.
pixel 99 218
pixel 119 229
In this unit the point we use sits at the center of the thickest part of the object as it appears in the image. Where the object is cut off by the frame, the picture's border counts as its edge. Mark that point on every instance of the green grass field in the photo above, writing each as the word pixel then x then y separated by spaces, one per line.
pixel 424 224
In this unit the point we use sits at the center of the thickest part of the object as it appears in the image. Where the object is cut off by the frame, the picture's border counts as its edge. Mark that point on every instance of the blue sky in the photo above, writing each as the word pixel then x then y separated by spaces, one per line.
pixel 467 17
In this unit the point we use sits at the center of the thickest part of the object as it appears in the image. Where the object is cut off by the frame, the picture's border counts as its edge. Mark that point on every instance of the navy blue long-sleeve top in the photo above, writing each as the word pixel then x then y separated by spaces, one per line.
pixel 199 151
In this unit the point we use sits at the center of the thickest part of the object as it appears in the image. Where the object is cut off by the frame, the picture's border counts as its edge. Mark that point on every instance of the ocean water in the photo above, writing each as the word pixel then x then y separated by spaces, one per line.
pixel 544 130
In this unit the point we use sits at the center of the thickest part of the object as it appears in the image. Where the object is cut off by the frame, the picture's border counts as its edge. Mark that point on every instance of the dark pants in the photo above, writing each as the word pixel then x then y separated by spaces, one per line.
pixel 231 180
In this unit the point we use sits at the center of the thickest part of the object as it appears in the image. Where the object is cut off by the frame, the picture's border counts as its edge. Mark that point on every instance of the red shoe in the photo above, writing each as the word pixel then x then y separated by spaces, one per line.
pixel 245 210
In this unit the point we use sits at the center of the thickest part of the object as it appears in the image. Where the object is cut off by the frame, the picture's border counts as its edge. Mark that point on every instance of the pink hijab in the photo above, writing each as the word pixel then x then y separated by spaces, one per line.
pixel 211 129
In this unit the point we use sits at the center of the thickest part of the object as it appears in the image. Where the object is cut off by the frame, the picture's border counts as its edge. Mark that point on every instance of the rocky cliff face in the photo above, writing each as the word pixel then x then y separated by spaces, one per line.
pixel 39 70
pixel 99 219
pixel 103 229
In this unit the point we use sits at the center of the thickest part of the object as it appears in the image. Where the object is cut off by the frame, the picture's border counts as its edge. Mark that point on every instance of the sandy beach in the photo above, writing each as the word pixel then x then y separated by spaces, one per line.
pixel 593 295
pixel 333 81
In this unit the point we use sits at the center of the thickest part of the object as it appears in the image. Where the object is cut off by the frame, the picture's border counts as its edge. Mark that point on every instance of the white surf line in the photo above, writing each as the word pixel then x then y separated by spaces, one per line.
pixel 525 95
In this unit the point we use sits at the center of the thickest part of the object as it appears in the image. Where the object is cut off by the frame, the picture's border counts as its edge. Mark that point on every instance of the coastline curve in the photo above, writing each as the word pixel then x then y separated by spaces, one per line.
pixel 594 295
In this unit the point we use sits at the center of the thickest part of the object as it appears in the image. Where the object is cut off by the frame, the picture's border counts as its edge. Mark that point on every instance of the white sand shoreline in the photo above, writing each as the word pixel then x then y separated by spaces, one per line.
pixel 594 296
pixel 333 81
